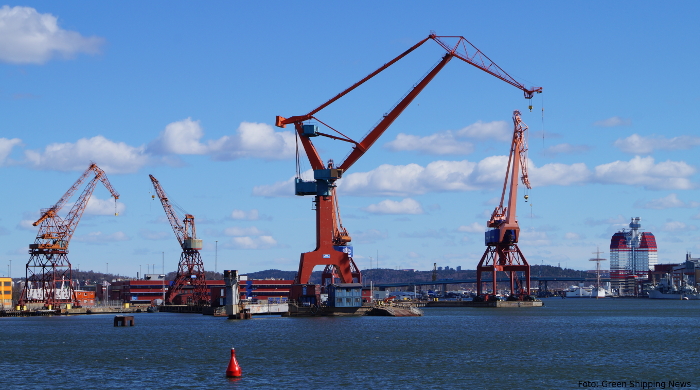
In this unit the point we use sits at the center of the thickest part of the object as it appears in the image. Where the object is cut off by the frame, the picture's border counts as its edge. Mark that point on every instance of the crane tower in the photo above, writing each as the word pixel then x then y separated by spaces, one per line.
pixel 502 252
pixel 190 269
pixel 49 276
pixel 332 239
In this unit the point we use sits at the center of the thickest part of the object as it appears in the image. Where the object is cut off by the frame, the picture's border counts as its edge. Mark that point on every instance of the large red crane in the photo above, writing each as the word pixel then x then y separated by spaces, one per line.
pixel 49 276
pixel 502 252
pixel 332 240
pixel 190 269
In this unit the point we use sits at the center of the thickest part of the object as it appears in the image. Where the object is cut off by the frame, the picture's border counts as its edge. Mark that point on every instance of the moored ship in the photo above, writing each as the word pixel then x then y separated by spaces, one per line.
pixel 666 289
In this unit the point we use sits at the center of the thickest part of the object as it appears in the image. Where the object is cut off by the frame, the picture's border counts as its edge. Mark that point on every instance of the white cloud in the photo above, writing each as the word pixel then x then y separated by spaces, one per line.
pixel 558 174
pixel 573 236
pixel 28 37
pixel 643 171
pixel 533 238
pixel 440 176
pixel 667 202
pixel 100 238
pixel 98 206
pixel 111 156
pixel 243 231
pixel 262 242
pixel 566 149
pixel 498 130
pixel 677 226
pixel 388 206
pixel 473 228
pixel 637 144
pixel 613 122
pixel 279 189
pixel 180 137
pixel 368 236
pixel 6 146
pixel 436 144
pixel 257 140
pixel 252 140
pixel 26 224
pixel 448 142
pixel 251 215
pixel 160 235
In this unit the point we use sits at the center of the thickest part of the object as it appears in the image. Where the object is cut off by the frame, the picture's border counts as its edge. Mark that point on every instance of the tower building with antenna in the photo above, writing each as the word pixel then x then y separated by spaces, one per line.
pixel 633 253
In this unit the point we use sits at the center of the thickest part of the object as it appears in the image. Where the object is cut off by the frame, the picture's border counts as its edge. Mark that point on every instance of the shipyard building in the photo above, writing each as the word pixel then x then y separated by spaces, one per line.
pixel 633 254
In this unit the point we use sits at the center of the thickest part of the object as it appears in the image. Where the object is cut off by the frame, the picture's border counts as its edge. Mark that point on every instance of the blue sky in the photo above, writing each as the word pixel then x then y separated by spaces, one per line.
pixel 189 92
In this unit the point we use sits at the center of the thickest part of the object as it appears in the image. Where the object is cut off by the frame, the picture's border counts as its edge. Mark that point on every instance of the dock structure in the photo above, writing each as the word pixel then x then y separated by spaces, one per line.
pixel 123 320
pixel 484 304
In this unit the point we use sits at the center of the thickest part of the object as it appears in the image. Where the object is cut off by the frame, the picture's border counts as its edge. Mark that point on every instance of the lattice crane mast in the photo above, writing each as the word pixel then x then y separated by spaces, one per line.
pixel 329 251
pixel 190 269
pixel 502 251
pixel 49 275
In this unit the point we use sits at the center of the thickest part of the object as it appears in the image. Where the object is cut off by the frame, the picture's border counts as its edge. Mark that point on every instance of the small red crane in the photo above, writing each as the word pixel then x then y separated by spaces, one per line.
pixel 190 269
pixel 49 275
pixel 502 252
pixel 332 240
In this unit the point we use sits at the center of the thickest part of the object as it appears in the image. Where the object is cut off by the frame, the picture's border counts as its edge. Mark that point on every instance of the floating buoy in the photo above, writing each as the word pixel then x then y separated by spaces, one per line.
pixel 233 370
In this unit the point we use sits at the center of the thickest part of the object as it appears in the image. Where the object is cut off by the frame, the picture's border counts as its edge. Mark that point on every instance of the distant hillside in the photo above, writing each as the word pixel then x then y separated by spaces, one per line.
pixel 398 276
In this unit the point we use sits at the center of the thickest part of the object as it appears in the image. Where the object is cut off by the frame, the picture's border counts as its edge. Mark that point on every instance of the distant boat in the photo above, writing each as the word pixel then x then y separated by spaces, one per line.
pixel 666 289
pixel 582 291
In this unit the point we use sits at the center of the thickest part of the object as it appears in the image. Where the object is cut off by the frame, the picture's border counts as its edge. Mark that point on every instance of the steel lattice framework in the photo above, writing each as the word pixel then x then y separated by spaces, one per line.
pixel 502 253
pixel 190 269
pixel 49 275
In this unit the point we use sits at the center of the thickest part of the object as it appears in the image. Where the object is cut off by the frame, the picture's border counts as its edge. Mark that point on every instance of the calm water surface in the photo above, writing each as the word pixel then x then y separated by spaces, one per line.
pixel 568 344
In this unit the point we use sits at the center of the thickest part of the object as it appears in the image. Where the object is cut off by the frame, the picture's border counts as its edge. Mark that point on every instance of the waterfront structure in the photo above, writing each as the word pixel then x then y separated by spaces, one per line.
pixel 5 294
pixel 633 253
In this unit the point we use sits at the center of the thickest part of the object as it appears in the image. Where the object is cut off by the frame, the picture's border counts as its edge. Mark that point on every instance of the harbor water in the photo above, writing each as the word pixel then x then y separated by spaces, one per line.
pixel 567 344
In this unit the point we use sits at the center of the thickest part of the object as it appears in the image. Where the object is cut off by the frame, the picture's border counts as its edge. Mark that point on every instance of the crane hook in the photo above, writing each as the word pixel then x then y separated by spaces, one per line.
pixel 526 197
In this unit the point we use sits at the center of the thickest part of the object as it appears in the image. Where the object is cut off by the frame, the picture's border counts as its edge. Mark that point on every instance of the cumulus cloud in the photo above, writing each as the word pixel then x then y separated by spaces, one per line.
pixel 6 146
pixel 251 215
pixel 369 236
pixel 677 226
pixel 251 140
pixel 573 236
pixel 279 189
pixel 101 238
pixel 613 122
pixel 257 140
pixel 98 206
pixel 435 144
pixel 180 137
pixel 667 202
pixel 243 231
pixel 473 228
pixel 28 37
pixel 637 144
pixel 643 171
pixel 151 235
pixel 262 242
pixel 112 157
pixel 388 206
pixel 442 176
pixel 566 149
pixel 498 130
pixel 448 142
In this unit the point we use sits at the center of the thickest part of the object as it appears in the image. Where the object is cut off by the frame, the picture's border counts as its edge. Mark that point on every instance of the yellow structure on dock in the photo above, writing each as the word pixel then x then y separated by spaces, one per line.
pixel 5 294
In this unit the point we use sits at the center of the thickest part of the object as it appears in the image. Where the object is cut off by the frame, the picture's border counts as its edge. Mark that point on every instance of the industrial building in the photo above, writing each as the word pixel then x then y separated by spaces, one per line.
pixel 5 294
pixel 633 254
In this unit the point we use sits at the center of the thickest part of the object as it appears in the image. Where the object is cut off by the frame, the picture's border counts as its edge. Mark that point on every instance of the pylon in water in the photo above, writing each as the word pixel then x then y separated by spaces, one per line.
pixel 233 370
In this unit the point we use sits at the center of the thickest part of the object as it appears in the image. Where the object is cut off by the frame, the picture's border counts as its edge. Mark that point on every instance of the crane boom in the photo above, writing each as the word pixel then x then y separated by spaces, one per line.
pixel 460 50
pixel 181 230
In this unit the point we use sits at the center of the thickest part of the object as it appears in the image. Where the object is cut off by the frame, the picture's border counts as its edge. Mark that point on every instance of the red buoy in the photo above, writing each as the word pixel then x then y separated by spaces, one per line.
pixel 233 370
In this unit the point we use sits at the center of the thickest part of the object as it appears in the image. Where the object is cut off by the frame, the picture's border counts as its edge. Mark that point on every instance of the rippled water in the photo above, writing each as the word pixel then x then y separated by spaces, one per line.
pixel 554 347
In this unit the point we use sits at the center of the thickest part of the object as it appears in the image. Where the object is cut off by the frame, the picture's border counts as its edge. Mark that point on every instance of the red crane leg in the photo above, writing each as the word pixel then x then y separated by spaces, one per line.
pixel 324 254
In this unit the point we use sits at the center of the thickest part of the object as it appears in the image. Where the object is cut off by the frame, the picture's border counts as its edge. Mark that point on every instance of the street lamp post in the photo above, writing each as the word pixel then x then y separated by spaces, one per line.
pixel 216 256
